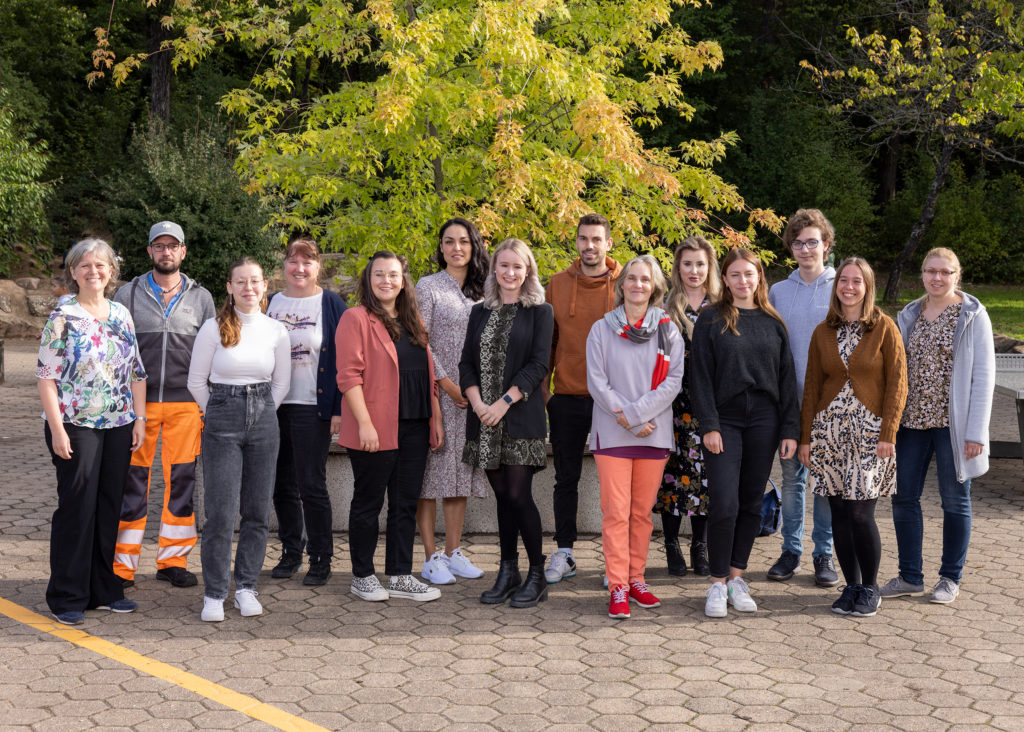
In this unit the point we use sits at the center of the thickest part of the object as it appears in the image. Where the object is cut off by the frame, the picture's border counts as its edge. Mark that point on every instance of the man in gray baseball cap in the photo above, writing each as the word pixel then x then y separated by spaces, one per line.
pixel 168 308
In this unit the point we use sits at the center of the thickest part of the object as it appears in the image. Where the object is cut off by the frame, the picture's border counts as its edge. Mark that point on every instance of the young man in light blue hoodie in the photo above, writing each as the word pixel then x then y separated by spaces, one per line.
pixel 802 301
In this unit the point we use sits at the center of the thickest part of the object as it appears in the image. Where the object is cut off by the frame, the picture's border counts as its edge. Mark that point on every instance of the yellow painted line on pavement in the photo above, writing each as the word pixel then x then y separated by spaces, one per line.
pixel 215 692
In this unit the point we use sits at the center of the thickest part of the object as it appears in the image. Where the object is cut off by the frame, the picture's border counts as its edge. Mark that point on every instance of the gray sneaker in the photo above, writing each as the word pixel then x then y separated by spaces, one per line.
pixel 945 591
pixel 407 586
pixel 898 587
pixel 369 589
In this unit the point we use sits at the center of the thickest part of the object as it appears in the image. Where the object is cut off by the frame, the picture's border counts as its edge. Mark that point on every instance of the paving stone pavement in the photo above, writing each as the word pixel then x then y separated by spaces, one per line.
pixel 332 660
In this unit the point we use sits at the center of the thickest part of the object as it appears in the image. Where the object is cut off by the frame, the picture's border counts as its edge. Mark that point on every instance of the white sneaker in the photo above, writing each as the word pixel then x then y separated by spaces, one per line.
pixel 407 586
pixel 739 595
pixel 460 566
pixel 717 604
pixel 369 589
pixel 435 570
pixel 213 610
pixel 245 600
pixel 561 565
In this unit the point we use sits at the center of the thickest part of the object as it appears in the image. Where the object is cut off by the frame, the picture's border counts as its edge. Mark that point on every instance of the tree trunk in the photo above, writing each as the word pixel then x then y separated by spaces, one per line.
pixel 892 287
pixel 890 168
pixel 159 68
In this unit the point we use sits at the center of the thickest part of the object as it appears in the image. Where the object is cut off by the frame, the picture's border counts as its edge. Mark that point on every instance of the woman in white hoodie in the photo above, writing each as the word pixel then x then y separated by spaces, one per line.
pixel 950 376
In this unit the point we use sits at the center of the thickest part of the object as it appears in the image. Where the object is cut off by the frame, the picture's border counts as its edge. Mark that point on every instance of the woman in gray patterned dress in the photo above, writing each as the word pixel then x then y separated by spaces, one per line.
pixel 445 300
pixel 504 361
pixel 854 392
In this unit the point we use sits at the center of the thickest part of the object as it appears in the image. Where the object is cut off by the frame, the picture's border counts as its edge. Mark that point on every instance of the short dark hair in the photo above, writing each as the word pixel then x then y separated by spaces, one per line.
pixel 593 219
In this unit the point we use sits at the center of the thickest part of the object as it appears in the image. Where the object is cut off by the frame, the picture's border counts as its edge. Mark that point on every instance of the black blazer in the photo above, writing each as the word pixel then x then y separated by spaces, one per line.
pixel 526 366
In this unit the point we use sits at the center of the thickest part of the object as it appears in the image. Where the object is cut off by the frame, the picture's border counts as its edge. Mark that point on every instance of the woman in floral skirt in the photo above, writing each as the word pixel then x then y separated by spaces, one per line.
pixel 695 282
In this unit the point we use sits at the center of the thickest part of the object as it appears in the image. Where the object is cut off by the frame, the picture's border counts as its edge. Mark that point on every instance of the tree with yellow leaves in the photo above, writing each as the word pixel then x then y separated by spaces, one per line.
pixel 370 123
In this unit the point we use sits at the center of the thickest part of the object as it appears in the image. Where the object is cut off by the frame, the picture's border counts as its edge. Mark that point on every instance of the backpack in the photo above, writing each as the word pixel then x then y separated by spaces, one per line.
pixel 771 510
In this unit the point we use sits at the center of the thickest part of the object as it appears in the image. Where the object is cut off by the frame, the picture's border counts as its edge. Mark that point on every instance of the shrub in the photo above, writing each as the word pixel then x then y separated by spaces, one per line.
pixel 190 179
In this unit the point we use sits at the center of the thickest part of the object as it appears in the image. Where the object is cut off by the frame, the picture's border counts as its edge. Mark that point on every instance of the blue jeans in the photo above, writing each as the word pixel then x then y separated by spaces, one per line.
pixel 240 443
pixel 914 450
pixel 794 491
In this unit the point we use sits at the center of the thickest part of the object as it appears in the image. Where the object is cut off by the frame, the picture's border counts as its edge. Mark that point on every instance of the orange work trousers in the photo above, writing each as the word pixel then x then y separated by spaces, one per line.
pixel 179 425
pixel 629 488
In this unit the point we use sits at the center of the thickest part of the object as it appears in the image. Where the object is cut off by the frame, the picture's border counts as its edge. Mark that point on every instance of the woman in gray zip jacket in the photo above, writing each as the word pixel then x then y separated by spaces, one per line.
pixel 950 375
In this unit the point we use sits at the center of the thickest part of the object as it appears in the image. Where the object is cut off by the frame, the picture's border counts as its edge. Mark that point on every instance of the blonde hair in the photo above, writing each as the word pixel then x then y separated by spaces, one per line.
pixel 869 311
pixel 728 312
pixel 676 302
pixel 658 283
pixel 532 292
pixel 77 254
pixel 945 254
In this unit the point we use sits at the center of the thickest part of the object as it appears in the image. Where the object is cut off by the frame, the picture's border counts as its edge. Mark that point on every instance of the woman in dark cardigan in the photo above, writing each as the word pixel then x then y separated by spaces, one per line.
pixel 504 361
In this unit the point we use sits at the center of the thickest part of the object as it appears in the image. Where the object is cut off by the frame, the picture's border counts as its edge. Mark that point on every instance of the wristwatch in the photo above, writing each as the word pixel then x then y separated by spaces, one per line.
pixel 508 399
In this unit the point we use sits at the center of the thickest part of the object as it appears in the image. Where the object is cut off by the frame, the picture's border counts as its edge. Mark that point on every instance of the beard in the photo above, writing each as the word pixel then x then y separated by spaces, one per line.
pixel 166 268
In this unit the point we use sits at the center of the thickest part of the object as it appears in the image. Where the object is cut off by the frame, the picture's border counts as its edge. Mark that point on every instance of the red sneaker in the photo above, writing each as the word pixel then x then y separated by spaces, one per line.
pixel 619 606
pixel 639 594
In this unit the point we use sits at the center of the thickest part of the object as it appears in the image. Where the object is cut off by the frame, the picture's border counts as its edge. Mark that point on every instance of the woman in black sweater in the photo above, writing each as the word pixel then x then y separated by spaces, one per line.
pixel 744 395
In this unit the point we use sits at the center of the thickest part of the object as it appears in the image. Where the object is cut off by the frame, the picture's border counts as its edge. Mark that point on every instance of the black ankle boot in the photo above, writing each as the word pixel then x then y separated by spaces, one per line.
pixel 699 558
pixel 507 582
pixel 319 571
pixel 534 589
pixel 676 563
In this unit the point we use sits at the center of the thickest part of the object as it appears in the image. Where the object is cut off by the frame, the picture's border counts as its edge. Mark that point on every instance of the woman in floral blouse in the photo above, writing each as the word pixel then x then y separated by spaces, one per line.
pixel 950 377
pixel 93 388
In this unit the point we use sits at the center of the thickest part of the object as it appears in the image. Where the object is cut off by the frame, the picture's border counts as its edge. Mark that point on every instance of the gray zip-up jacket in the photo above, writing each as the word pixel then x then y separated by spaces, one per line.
pixel 165 342
pixel 972 383
pixel 802 306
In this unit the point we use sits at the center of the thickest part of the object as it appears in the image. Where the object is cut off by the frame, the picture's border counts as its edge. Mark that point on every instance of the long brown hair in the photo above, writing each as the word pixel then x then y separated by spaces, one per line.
pixel 869 312
pixel 676 303
pixel 227 319
pixel 405 305
pixel 726 309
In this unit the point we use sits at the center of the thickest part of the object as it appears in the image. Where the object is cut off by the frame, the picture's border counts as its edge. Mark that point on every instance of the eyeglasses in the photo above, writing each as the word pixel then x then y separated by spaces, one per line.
pixel 810 245
pixel 947 273
pixel 159 248
pixel 253 283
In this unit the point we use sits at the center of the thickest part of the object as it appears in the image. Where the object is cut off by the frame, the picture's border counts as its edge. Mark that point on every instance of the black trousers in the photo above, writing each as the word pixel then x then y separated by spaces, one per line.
pixel 398 474
pixel 569 418
pixel 83 531
pixel 301 501
pixel 737 477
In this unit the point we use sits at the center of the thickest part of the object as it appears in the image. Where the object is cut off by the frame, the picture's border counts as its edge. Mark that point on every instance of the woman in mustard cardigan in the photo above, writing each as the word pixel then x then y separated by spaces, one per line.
pixel 854 392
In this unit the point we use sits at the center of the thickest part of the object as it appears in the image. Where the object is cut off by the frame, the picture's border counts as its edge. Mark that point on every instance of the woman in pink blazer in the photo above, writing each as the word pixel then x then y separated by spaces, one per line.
pixel 390 418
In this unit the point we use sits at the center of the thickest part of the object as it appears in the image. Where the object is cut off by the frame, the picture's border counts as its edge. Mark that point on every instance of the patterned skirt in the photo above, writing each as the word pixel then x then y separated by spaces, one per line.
pixel 844 437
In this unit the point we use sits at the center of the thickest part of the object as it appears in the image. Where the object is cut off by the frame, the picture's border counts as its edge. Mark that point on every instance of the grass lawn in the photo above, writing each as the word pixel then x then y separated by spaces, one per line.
pixel 1005 305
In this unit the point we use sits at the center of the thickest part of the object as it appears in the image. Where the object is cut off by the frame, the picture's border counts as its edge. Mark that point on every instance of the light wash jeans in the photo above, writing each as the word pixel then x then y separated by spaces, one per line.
pixel 794 490
pixel 914 450
pixel 240 443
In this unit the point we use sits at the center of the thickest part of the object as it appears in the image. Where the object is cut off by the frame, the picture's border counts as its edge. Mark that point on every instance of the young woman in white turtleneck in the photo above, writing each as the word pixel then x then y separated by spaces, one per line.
pixel 240 373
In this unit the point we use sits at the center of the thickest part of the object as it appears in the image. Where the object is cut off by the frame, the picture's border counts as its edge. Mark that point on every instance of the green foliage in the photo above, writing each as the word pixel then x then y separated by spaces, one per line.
pixel 189 179
pixel 22 192
pixel 370 124
pixel 980 217
pixel 802 159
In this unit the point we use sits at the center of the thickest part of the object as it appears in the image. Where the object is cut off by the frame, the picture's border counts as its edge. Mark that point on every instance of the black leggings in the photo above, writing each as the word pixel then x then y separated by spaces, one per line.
pixel 670 525
pixel 857 544
pixel 517 513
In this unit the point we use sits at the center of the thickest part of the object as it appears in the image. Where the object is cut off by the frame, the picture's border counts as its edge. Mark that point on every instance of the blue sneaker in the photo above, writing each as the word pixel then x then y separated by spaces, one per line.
pixel 124 605
pixel 71 617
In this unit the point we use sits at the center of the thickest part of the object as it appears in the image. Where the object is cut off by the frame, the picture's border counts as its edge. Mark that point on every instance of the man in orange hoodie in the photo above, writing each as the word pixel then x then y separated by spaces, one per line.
pixel 580 296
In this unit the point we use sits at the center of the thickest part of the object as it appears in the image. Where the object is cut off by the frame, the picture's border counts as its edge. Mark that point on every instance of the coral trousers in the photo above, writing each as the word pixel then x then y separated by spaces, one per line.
pixel 180 426
pixel 629 488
